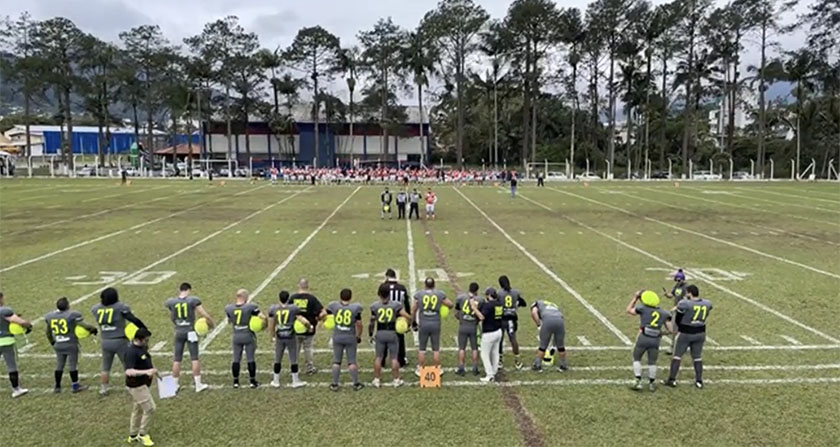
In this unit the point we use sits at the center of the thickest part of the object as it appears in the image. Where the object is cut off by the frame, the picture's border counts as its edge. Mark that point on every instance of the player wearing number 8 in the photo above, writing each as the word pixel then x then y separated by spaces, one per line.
pixel 111 315
pixel 645 304
pixel 182 311
pixel 691 323
pixel 383 318
pixel 428 303
pixel 61 333
pixel 346 336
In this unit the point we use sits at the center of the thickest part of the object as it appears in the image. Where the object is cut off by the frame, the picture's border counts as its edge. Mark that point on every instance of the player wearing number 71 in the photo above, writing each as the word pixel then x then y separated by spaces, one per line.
pixel 645 304
pixel 691 321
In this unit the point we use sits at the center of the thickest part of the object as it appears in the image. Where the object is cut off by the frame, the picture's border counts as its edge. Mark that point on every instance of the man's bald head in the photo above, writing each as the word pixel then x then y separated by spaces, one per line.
pixel 303 285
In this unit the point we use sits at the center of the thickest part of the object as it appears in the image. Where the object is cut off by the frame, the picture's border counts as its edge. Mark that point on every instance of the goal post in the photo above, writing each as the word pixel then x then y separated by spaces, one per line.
pixel 532 169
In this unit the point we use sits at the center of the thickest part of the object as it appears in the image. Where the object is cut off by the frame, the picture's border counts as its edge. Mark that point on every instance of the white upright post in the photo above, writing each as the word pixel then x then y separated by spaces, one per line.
pixel 670 168
pixel 792 169
pixel 690 169
pixel 772 169
pixel 712 167
pixel 230 168
pixel 250 166
pixel 73 167
pixel 29 165
pixel 587 168
pixel 609 170
pixel 731 168
pixel 752 167
pixel 52 166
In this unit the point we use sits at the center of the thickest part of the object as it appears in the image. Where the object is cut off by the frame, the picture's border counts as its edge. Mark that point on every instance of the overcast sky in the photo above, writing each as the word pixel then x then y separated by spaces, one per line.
pixel 276 22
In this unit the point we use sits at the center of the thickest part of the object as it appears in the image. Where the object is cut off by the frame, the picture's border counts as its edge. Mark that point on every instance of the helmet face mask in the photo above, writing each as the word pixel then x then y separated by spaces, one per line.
pixel 679 276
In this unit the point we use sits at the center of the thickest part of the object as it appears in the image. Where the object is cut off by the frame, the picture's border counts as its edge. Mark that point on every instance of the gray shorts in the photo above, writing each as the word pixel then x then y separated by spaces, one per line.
pixel 430 331
pixel 180 341
pixel 467 334
pixel 552 328
pixel 386 341
pixel 283 344
pixel 249 348
pixel 647 344
pixel 10 356
pixel 694 342
pixel 113 347
pixel 342 346
pixel 67 355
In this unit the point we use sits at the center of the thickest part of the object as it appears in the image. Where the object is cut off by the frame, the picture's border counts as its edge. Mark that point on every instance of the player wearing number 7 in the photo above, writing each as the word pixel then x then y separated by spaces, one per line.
pixel 182 311
pixel 652 322
pixel 428 303
pixel 111 315
pixel 691 323
pixel 383 318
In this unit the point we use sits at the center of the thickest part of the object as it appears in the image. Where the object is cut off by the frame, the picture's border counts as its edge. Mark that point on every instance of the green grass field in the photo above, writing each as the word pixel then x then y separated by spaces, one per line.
pixel 766 255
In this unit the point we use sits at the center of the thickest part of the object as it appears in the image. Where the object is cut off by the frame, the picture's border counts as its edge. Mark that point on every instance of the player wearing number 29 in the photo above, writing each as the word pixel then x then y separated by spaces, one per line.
pixel 691 324
pixel 428 303
pixel 182 310
pixel 111 315
pixel 347 335
pixel 61 333
pixel 652 322
pixel 383 318
pixel 549 320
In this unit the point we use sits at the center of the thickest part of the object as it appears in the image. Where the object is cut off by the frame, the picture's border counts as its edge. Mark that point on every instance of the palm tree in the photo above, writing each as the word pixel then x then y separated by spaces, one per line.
pixel 348 64
pixel 419 58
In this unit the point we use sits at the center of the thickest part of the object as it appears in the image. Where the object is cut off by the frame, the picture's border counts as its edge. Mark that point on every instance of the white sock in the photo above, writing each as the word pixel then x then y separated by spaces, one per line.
pixel 276 377
pixel 294 377
pixel 652 371
pixel 637 369
pixel 197 380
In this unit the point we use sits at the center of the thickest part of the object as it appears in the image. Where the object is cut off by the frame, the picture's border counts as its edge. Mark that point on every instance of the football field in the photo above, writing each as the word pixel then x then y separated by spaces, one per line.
pixel 767 255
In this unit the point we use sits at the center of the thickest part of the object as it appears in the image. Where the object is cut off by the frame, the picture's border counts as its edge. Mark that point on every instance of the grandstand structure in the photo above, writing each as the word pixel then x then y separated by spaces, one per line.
pixel 408 142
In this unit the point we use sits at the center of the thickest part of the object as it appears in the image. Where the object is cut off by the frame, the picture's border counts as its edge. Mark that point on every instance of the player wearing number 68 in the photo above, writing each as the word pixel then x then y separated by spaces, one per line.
pixel 347 334
pixel 652 318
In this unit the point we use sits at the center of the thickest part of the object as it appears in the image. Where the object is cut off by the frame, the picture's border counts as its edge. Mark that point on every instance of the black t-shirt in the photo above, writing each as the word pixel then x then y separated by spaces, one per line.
pixel 492 311
pixel 513 181
pixel 310 307
pixel 398 293
pixel 137 357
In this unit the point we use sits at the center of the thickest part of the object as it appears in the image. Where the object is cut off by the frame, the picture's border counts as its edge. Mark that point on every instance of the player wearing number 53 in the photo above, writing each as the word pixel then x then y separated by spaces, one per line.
pixel 64 328
pixel 652 319
pixel 116 327
pixel 429 304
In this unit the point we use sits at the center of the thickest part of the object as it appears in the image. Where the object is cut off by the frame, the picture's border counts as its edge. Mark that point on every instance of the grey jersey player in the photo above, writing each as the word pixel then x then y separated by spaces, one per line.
pixel 346 336
pixel 112 316
pixel 282 320
pixel 239 315
pixel 184 310
pixel 427 304
pixel 549 320
pixel 652 319
pixel 7 345
pixel 383 325
pixel 467 328
pixel 691 316
pixel 61 327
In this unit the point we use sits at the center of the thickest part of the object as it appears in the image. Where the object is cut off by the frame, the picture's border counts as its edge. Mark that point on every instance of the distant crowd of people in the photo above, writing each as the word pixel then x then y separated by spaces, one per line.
pixel 390 175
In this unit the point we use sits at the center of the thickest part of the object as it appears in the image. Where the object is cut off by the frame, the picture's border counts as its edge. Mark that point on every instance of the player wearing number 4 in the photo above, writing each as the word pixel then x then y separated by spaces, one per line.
pixel 691 323
pixel 183 310
pixel 428 304
pixel 383 318
pixel 347 334
pixel 64 326
pixel 652 322
pixel 284 320
pixel 116 326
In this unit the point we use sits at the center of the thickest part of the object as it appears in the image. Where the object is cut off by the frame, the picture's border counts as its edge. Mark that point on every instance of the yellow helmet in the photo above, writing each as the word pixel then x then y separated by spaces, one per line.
pixel 650 298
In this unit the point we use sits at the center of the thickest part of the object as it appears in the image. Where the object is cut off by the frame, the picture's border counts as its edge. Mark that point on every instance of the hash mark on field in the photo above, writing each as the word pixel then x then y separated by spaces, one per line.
pixel 157 232
pixel 295 232
pixel 619 233
pixel 710 340
pixel 639 233
pixel 195 231
pixel 773 233
pixel 353 232
pixel 734 233
pixel 791 340
pixel 714 232
pixel 562 232
pixel 175 231
pixel 238 231
pixel 257 232
pixel 334 231
pixel 580 232
pixel 276 231
pixel 583 341
pixel 138 231
pixel 751 340
pixel 372 231
pixel 158 346
pixel 466 232
pixel 27 347
pixel 522 232
pixel 542 232
pixel 753 233
pixel 659 233
pixel 445 232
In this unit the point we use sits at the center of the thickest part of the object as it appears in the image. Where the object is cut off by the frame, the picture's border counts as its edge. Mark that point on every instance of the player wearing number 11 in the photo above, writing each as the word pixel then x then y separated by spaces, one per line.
pixel 645 304
pixel 182 311
pixel 428 303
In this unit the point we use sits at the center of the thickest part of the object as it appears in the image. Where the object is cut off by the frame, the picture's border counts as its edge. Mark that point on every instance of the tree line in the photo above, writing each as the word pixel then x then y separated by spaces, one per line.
pixel 620 82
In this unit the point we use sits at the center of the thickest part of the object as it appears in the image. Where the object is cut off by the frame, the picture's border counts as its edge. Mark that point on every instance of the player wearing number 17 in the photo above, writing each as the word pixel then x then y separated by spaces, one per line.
pixel 691 323
pixel 428 304
pixel 347 334
pixel 182 311
pixel 652 322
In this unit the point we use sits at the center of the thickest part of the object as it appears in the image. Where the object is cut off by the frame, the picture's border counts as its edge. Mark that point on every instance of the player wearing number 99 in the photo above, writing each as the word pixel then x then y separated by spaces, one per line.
pixel 182 311
pixel 111 315
pixel 645 304
pixel 346 337
pixel 383 318
pixel 61 333
pixel 428 303
pixel 691 321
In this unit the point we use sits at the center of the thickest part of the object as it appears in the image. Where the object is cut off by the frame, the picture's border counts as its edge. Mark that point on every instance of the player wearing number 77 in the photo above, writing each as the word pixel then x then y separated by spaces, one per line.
pixel 431 300
pixel 62 325
pixel 182 311
pixel 347 334
pixel 383 318
pixel 111 315
pixel 645 304
pixel 691 321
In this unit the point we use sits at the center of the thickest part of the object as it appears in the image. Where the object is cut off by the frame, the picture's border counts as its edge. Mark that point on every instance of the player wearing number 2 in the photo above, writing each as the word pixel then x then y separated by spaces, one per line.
pixel 691 323
pixel 383 319
pixel 182 310
pixel 652 322
pixel 347 335
pixel 111 315
pixel 61 333
pixel 428 303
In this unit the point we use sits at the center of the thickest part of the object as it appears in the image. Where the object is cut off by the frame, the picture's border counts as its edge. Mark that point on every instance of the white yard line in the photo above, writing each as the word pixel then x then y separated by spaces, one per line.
pixel 776 202
pixel 177 253
pixel 711 283
pixel 705 236
pixel 123 193
pixel 600 317
pixel 106 236
pixel 158 346
pixel 791 340
pixel 221 326
pixel 712 341
pixel 751 340
pixel 583 341
pixel 795 196
pixel 748 224
pixel 99 213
